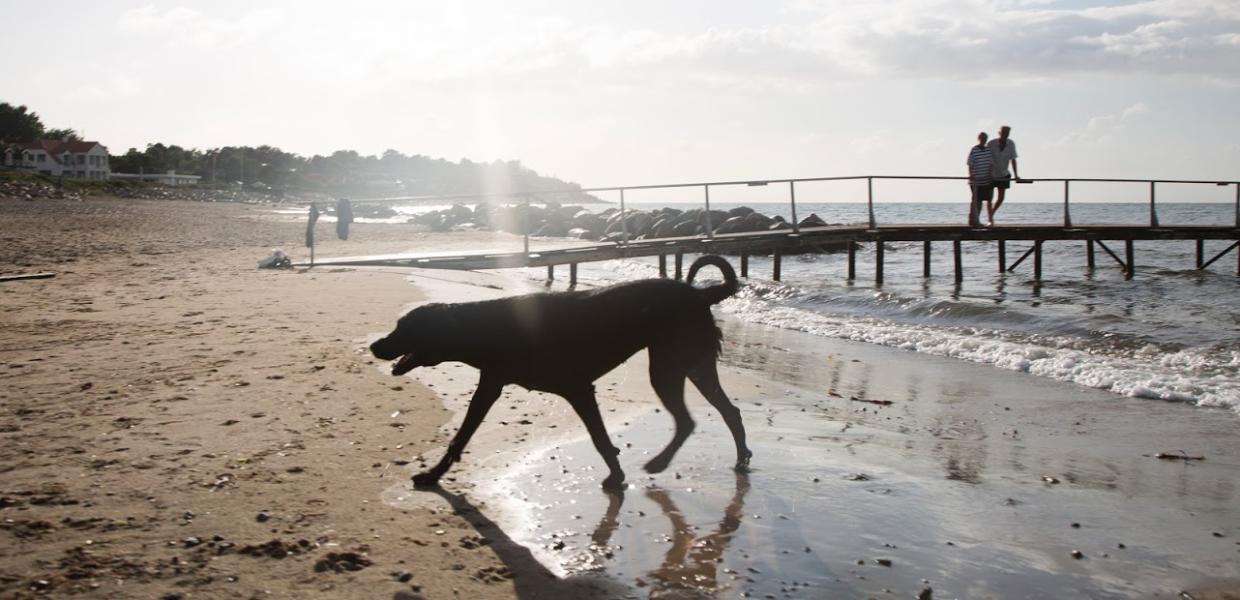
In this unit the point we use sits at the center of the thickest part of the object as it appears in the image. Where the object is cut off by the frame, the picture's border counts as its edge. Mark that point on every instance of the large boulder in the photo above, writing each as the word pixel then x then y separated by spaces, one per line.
pixel 687 228
pixel 635 223
pixel 716 217
pixel 732 225
pixel 740 211
pixel 813 220
pixel 519 218
pixel 756 222
pixel 583 233
pixel 663 228
pixel 586 220
pixel 552 229
pixel 666 211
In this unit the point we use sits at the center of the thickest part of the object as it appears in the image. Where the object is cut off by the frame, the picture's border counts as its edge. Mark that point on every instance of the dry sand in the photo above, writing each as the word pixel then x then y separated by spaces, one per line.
pixel 174 421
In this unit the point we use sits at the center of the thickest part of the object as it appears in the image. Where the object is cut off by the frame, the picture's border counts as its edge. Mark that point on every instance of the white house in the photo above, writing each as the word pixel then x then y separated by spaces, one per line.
pixel 84 160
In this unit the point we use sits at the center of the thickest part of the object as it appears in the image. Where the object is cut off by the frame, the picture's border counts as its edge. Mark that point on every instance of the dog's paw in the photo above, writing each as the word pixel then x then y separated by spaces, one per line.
pixel 614 483
pixel 657 465
pixel 742 463
pixel 425 480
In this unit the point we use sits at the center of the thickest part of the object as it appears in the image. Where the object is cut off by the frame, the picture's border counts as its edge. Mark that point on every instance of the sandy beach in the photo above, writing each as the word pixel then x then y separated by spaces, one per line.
pixel 176 423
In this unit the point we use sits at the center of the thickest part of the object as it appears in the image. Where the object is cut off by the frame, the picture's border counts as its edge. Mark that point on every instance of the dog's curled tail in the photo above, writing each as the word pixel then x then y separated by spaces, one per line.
pixel 715 293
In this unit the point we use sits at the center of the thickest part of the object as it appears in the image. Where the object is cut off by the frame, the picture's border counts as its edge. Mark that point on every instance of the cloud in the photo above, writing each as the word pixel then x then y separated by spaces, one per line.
pixel 149 19
pixel 828 42
pixel 1101 129
pixel 186 27
pixel 117 87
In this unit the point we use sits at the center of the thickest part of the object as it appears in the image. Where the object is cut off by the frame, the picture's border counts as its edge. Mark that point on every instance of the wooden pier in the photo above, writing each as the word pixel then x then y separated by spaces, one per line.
pixel 778 243
pixel 1028 238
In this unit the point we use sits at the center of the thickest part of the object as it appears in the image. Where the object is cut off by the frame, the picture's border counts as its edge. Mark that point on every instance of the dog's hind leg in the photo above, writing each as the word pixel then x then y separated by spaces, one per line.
pixel 484 398
pixel 586 406
pixel 668 379
pixel 706 377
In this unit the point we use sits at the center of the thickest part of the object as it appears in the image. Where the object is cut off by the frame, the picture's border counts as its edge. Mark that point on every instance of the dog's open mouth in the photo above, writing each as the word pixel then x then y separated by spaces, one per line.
pixel 403 365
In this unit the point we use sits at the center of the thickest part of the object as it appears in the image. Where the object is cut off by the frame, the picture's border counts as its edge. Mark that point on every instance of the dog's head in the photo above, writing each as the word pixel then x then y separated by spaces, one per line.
pixel 419 340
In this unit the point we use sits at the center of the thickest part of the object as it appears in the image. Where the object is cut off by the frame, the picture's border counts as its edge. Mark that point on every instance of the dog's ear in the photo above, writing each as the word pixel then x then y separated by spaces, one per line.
pixel 420 312
pixel 433 317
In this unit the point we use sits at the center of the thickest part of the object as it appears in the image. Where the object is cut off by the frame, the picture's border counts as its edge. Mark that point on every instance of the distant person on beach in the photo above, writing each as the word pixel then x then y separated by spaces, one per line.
pixel 981 178
pixel 1004 151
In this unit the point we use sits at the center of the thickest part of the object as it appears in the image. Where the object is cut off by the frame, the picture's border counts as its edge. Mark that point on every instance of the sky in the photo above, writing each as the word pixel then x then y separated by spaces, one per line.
pixel 637 92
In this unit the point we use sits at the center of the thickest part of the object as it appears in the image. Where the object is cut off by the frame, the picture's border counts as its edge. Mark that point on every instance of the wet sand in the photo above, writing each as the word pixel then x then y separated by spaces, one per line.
pixel 175 421
pixel 877 472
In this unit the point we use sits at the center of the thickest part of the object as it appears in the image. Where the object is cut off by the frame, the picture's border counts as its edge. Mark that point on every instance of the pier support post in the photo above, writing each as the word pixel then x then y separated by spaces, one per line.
pixel 925 259
pixel 776 264
pixel 1131 266
pixel 878 263
pixel 1002 255
pixel 663 266
pixel 1089 254
pixel 572 274
pixel 1037 260
pixel 957 261
pixel 744 264
pixel 852 260
pixel 624 221
pixel 680 260
pixel 1153 210
pixel 1201 253
pixel 550 272
pixel 1067 213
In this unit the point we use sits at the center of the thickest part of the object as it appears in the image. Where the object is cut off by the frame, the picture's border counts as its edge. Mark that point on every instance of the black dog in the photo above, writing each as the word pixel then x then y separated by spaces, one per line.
pixel 562 342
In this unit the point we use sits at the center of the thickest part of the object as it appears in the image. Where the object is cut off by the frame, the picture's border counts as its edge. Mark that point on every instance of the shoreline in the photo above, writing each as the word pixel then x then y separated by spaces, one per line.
pixel 161 392
pixel 981 429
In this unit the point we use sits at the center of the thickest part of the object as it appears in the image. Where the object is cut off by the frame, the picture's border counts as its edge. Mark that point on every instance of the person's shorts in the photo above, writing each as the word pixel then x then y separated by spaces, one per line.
pixel 1003 183
pixel 984 192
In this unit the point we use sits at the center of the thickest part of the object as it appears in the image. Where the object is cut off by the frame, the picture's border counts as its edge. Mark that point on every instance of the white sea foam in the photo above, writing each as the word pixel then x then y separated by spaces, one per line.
pixel 1105 351
pixel 1205 377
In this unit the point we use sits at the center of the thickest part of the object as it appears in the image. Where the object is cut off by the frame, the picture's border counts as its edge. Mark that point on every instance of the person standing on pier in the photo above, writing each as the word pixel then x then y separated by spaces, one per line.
pixel 1004 151
pixel 981 178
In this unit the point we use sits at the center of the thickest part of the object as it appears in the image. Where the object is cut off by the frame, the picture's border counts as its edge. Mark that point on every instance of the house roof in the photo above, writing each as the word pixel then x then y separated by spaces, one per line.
pixel 57 147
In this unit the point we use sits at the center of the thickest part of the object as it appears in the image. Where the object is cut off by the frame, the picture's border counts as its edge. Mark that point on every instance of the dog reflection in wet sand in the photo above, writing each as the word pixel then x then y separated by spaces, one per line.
pixel 562 342
pixel 692 563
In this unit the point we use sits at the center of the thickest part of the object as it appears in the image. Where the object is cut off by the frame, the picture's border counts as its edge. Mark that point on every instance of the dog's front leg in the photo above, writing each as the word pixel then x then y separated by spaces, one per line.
pixel 484 397
pixel 586 406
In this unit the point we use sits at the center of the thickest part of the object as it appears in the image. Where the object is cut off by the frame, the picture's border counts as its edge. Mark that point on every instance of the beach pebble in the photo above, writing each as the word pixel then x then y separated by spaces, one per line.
pixel 1077 554
pixel 926 593
pixel 885 562
pixel 262 517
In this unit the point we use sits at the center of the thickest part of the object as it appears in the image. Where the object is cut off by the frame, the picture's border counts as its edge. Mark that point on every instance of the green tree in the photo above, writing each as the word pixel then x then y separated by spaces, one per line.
pixel 19 124
pixel 64 135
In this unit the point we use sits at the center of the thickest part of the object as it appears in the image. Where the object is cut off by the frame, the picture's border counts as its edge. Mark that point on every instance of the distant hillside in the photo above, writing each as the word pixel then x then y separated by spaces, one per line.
pixel 344 173
pixel 267 169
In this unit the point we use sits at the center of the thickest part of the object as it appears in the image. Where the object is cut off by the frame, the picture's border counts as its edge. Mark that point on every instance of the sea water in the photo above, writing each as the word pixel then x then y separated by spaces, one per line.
pixel 945 487
pixel 1172 332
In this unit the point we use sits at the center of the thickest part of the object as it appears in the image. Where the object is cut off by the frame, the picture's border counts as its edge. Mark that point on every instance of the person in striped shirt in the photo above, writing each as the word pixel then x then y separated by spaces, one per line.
pixel 980 162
